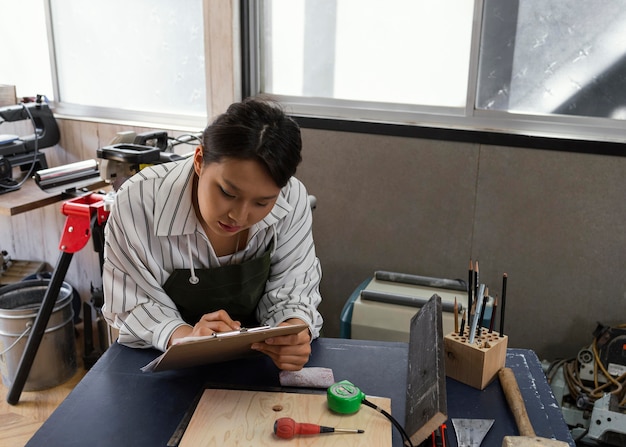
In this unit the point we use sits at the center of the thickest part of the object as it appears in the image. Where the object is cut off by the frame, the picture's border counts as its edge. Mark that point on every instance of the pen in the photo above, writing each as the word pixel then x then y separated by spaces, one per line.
pixel 462 331
pixel 476 294
pixel 482 311
pixel 493 314
pixel 470 284
pixel 504 281
pixel 243 330
pixel 456 316
pixel 476 313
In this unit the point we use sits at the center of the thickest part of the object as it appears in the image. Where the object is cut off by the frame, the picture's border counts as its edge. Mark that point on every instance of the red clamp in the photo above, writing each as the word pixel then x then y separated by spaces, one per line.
pixel 79 212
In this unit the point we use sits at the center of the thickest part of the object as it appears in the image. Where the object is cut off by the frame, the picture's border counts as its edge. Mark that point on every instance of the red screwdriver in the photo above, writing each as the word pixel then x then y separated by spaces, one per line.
pixel 287 428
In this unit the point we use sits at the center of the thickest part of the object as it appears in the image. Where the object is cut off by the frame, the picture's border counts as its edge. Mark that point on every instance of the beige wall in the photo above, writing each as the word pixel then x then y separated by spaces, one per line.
pixel 553 221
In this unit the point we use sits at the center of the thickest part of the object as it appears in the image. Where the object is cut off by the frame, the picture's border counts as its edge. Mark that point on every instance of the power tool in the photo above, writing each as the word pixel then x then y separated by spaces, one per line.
pixel 122 159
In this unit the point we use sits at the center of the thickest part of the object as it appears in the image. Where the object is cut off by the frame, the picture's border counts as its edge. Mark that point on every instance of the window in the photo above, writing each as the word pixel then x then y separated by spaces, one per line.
pixel 151 52
pixel 355 50
pixel 546 58
pixel 525 67
pixel 24 56
pixel 141 60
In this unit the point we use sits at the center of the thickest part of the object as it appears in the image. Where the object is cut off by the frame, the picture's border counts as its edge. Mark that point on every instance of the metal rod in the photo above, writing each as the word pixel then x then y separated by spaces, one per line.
pixel 404 300
pixel 453 284
pixel 39 327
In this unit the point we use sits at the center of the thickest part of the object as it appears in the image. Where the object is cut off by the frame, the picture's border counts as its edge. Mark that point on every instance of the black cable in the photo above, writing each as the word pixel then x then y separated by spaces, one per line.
pixel 580 437
pixel 186 138
pixel 395 423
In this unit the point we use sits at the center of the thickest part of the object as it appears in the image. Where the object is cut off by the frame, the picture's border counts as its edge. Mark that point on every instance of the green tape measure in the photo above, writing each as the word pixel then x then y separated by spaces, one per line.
pixel 343 397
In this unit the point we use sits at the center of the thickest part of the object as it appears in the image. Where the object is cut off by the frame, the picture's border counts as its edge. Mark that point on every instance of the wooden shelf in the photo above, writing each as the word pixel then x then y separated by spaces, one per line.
pixel 30 197
pixel 20 270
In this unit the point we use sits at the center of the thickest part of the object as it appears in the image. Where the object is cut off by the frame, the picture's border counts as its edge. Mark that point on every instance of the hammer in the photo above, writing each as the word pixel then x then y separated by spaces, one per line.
pixel 528 437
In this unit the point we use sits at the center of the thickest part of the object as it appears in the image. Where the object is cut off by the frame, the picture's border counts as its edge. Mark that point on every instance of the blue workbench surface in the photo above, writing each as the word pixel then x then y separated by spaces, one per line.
pixel 116 404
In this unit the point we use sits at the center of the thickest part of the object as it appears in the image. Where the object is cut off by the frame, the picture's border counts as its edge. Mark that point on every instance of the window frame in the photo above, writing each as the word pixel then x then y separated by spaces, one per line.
pixel 553 132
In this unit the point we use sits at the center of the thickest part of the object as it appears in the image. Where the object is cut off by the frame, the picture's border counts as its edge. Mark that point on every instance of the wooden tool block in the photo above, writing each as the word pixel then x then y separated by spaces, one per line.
pixel 475 364
pixel 246 418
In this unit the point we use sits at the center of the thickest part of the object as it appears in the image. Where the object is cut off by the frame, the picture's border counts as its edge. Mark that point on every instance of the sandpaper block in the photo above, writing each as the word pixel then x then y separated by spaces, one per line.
pixel 312 377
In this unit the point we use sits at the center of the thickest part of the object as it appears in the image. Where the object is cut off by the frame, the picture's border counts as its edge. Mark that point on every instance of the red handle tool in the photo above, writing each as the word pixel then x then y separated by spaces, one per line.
pixel 287 428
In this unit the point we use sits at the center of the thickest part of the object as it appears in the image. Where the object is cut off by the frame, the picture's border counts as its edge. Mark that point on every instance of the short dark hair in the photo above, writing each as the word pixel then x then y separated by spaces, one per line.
pixel 255 129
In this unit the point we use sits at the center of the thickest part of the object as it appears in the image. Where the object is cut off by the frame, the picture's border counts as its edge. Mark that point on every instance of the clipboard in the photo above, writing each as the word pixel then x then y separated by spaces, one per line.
pixel 218 347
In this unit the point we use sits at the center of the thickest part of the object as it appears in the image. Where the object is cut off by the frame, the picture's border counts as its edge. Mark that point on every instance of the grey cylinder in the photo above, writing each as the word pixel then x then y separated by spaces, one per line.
pixel 55 362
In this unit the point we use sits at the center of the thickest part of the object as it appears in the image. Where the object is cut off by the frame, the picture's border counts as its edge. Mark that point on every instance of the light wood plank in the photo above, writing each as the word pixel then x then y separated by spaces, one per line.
pixel 221 49
pixel 17 429
pixel 246 418
pixel 19 422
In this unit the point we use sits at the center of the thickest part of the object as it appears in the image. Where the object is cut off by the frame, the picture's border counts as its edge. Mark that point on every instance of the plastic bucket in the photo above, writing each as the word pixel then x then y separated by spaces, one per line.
pixel 55 361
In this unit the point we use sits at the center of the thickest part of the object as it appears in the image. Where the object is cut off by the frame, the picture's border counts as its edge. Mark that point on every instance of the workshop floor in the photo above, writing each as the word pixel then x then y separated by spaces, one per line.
pixel 19 422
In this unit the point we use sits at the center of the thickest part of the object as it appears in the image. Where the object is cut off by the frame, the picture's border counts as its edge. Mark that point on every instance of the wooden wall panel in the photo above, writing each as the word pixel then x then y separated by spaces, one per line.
pixel 222 50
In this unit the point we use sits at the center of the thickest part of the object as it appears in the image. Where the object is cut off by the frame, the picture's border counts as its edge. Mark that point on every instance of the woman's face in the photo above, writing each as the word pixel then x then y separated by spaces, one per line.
pixel 233 194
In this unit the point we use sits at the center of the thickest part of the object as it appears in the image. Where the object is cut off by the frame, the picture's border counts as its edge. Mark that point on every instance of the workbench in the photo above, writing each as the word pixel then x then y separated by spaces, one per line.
pixel 116 404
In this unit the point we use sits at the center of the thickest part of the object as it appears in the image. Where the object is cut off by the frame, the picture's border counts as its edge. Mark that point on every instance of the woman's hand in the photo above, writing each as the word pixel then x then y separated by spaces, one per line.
pixel 218 321
pixel 289 352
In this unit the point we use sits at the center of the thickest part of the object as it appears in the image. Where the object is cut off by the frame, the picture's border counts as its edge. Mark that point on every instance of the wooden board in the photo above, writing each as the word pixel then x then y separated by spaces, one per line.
pixel 246 418
pixel 426 404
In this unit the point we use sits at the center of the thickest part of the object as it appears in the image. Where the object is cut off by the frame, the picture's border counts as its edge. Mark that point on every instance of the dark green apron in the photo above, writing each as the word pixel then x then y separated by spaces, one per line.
pixel 235 288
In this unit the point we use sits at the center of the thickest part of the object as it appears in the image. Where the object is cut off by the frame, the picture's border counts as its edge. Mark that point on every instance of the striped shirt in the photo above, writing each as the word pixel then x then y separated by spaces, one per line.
pixel 153 228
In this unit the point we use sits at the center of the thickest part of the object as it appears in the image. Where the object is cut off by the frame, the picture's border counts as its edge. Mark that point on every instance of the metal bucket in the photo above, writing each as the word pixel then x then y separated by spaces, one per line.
pixel 55 361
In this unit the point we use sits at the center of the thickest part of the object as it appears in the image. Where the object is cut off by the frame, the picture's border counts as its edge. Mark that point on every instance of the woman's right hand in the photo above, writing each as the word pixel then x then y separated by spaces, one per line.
pixel 218 321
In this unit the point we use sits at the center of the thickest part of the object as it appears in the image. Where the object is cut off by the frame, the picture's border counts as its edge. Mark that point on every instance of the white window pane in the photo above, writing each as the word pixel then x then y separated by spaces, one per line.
pixel 145 55
pixel 24 54
pixel 547 57
pixel 284 47
pixel 398 51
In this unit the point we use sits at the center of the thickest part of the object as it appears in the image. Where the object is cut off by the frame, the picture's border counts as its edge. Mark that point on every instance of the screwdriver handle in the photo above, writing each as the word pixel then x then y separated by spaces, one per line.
pixel 287 428
pixel 304 428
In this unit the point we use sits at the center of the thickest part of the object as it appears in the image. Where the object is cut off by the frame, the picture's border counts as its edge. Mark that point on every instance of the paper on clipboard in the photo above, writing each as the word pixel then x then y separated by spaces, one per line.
pixel 219 347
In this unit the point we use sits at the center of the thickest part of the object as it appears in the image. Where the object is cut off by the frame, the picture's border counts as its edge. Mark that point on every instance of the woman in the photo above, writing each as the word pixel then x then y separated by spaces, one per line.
pixel 217 241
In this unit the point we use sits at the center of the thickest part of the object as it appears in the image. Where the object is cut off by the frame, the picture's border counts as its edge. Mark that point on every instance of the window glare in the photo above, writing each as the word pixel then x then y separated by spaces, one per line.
pixel 418 55
pixel 356 50
pixel 24 48
pixel 548 58
pixel 143 55
pixel 285 43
